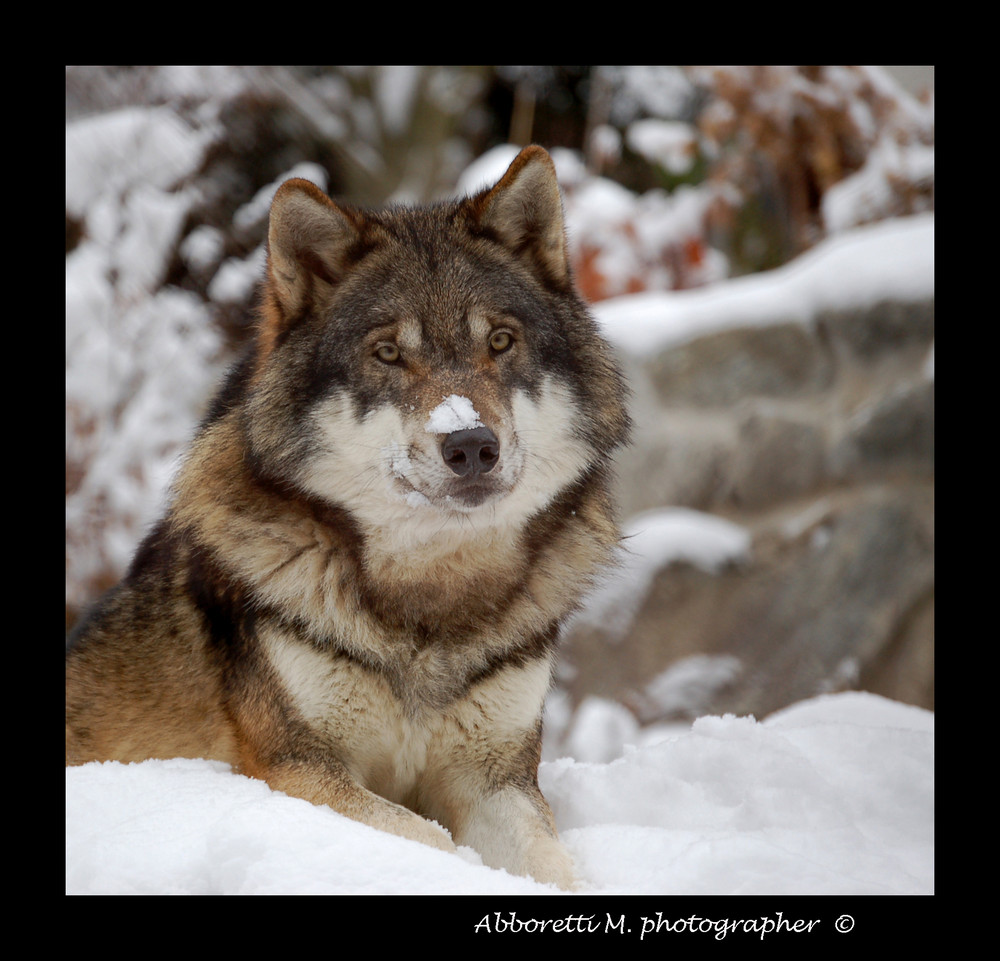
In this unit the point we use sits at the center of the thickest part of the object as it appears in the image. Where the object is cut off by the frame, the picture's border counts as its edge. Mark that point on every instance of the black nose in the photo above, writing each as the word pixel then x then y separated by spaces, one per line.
pixel 470 453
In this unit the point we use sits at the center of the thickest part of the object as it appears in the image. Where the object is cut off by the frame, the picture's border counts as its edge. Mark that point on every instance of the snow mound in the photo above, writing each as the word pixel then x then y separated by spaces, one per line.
pixel 834 795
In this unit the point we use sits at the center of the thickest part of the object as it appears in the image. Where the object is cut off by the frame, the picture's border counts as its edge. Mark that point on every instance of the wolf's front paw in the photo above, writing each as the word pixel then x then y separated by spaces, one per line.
pixel 433 835
pixel 550 863
pixel 398 820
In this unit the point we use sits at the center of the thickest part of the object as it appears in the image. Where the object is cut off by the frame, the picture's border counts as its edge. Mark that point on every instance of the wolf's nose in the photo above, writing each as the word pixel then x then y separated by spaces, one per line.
pixel 471 452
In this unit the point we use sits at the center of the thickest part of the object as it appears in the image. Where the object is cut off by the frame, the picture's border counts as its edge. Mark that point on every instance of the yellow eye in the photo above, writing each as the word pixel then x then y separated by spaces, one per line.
pixel 501 340
pixel 387 353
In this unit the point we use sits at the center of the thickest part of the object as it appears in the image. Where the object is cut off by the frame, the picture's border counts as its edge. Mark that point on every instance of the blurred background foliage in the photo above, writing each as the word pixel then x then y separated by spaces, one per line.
pixel 769 141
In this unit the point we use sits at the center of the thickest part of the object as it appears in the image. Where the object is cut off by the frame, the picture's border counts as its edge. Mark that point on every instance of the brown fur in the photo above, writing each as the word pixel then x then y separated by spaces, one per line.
pixel 299 612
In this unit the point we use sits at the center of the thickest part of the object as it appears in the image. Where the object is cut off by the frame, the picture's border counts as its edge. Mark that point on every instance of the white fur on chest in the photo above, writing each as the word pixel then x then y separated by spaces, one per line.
pixel 387 745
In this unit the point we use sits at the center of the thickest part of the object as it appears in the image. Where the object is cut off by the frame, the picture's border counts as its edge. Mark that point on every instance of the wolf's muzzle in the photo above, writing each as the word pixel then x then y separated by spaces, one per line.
pixel 470 453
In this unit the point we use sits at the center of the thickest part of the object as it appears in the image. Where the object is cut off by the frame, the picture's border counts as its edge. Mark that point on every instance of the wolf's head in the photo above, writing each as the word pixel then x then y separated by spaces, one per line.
pixel 431 367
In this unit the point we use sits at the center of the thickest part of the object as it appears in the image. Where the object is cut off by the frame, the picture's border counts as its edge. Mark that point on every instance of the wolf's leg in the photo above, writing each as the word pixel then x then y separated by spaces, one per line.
pixel 332 785
pixel 512 828
pixel 481 778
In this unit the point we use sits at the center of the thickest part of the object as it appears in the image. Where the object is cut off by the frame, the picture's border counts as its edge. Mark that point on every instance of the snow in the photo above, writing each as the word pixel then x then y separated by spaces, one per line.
pixel 866 193
pixel 890 259
pixel 669 143
pixel 485 170
pixel 256 210
pixel 831 796
pixel 111 152
pixel 682 688
pixel 453 413
pixel 653 539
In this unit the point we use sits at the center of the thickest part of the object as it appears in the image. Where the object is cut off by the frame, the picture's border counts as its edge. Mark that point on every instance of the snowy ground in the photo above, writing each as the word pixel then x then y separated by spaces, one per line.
pixel 831 796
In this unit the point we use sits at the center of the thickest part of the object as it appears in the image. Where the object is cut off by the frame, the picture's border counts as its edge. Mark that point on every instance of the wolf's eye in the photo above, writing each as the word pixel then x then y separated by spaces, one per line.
pixel 387 353
pixel 501 340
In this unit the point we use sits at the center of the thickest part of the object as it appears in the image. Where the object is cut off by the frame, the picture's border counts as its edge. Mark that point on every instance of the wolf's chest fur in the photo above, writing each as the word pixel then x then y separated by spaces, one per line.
pixel 397 730
pixel 429 615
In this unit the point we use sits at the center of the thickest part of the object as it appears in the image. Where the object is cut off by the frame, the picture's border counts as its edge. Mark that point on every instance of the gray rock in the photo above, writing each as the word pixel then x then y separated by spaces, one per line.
pixel 874 332
pixel 720 369
pixel 893 433
pixel 779 457
pixel 820 606
pixel 819 438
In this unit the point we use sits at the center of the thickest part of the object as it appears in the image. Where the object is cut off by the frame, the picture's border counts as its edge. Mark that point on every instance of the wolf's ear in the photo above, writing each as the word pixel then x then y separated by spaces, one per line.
pixel 309 238
pixel 525 210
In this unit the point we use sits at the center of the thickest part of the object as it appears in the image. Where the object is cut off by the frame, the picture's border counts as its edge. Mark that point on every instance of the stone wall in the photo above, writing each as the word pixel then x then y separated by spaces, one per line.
pixel 818 439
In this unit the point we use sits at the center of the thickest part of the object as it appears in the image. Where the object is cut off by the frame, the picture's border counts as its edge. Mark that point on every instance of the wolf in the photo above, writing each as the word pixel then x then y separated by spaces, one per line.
pixel 393 504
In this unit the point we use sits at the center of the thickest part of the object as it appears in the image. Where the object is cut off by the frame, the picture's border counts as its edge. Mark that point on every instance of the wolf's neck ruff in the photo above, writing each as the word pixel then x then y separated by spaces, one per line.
pixel 295 553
